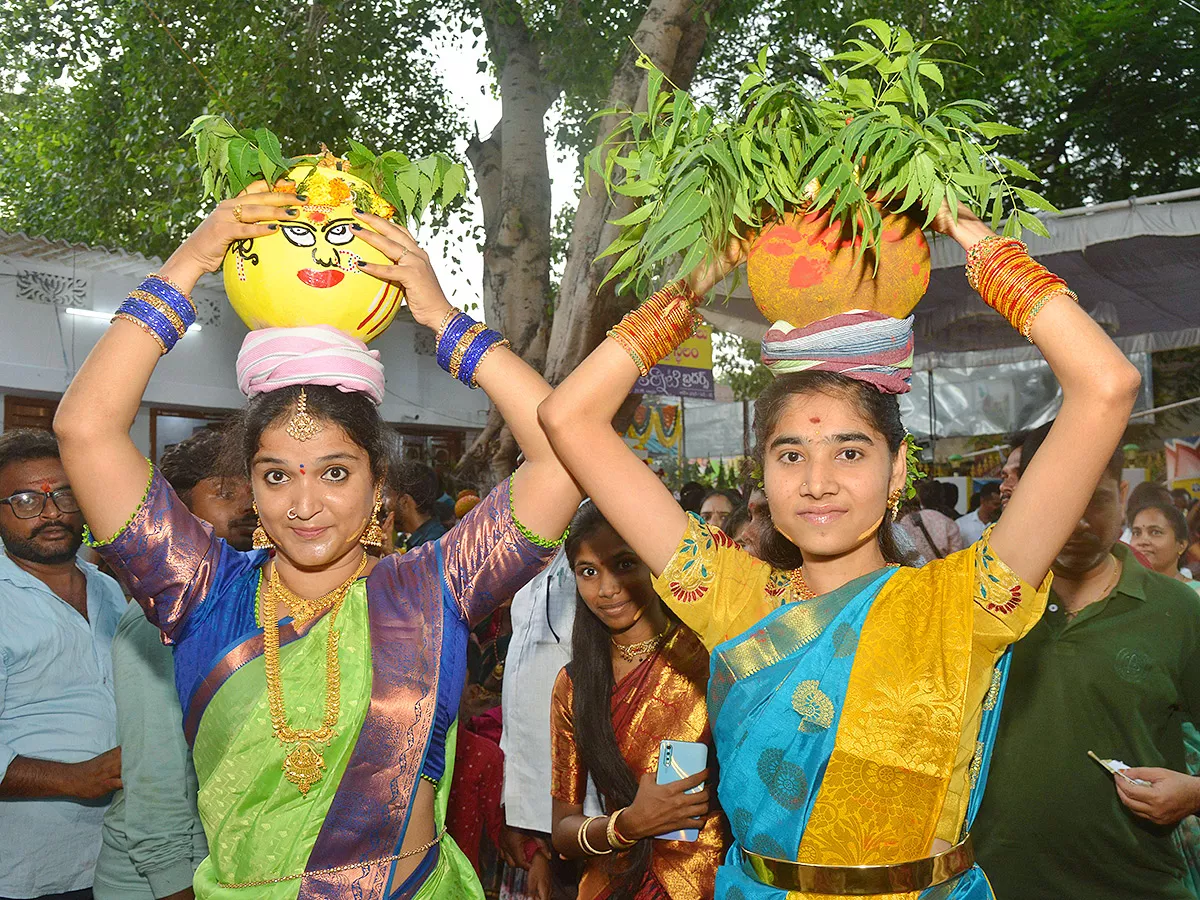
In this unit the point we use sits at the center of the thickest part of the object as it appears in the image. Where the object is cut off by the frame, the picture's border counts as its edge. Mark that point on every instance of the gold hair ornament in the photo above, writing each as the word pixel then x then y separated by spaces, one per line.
pixel 302 426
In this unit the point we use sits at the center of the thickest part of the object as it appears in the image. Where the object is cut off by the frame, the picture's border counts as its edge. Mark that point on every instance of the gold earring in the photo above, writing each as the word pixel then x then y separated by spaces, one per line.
pixel 260 540
pixel 894 502
pixel 372 537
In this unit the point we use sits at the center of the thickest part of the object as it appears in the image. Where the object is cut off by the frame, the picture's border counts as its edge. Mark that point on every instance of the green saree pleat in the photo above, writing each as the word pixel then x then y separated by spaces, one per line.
pixel 259 826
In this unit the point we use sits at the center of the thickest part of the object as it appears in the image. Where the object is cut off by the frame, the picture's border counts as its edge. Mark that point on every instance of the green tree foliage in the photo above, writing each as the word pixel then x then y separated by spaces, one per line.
pixel 97 96
pixel 1105 89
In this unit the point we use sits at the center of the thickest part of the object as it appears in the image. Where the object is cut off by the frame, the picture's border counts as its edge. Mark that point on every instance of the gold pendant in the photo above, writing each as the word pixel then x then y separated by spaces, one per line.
pixel 303 767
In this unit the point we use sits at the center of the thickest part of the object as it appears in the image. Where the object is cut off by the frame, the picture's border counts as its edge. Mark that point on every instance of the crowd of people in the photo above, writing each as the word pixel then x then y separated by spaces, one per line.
pixel 580 684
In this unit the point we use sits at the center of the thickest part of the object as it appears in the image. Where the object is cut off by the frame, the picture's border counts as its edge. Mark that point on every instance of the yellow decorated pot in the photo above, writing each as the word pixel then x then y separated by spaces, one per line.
pixel 803 268
pixel 306 272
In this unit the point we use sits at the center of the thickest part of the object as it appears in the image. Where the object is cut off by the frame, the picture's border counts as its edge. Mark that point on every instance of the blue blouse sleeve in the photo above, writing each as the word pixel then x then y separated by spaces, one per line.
pixel 164 556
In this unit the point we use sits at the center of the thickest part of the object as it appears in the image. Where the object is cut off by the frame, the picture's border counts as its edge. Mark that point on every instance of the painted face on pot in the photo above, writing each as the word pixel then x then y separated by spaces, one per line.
pixel 612 580
pixel 828 474
pixel 326 484
pixel 307 273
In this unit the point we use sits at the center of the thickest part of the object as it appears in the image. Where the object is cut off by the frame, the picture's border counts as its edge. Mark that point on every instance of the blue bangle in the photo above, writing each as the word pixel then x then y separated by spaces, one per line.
pixel 152 318
pixel 450 338
pixel 479 346
pixel 170 296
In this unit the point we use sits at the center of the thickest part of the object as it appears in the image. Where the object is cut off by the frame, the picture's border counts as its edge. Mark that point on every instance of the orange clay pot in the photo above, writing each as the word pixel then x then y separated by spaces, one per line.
pixel 802 268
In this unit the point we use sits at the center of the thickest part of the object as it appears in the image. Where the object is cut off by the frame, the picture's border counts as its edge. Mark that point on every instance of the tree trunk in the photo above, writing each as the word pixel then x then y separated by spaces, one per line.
pixel 672 34
pixel 512 169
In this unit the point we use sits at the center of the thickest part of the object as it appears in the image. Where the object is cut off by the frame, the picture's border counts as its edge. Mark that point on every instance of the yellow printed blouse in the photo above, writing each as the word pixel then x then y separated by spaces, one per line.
pixel 720 591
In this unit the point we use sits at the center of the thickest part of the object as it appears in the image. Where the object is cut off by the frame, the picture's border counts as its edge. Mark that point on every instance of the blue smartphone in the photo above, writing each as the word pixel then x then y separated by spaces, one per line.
pixel 678 760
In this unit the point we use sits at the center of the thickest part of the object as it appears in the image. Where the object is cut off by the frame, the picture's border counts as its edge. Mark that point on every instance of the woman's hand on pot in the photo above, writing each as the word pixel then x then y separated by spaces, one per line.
pixel 968 230
pixel 711 272
pixel 663 808
pixel 410 271
pixel 254 213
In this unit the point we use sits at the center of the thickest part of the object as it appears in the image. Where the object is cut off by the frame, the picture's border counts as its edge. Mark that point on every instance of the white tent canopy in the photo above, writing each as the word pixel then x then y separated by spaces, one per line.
pixel 1134 264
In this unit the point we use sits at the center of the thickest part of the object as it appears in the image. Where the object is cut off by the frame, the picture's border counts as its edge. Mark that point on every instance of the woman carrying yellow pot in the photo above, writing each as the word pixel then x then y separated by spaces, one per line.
pixel 319 685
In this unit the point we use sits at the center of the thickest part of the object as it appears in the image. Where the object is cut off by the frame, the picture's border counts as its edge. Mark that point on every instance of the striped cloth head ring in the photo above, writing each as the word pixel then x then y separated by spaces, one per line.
pixel 275 358
pixel 860 344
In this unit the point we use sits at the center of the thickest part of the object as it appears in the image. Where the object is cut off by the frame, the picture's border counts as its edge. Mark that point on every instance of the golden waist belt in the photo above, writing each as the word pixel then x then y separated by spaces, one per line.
pixel 858 881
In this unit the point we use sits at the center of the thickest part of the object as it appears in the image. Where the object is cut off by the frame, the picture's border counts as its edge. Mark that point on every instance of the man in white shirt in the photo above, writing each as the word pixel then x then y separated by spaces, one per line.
pixel 543 613
pixel 973 524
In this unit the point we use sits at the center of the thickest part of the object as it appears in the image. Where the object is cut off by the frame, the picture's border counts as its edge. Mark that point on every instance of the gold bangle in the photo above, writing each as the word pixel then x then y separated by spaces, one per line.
pixel 615 839
pixel 446 320
pixel 483 356
pixel 583 841
pixel 464 342
pixel 168 281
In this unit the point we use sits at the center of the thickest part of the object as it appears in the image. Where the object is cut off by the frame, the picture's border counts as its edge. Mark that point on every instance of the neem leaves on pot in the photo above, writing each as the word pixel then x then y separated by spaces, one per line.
pixel 797 172
pixel 307 273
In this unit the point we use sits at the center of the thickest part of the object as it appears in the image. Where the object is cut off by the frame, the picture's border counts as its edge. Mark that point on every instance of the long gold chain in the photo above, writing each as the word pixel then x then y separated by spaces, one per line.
pixel 395 857
pixel 303 765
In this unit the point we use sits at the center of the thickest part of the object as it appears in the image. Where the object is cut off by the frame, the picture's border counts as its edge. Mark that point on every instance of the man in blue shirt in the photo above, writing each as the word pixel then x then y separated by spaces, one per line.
pixel 59 763
pixel 416 488
pixel 153 837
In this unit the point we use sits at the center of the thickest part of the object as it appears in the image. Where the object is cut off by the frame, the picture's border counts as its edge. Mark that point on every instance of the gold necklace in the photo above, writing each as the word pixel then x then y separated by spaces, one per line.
pixel 631 652
pixel 305 610
pixel 303 766
pixel 799 587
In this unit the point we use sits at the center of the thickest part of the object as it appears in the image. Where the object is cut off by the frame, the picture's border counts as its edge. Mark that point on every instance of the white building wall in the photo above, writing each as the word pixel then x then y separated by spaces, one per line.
pixel 42 346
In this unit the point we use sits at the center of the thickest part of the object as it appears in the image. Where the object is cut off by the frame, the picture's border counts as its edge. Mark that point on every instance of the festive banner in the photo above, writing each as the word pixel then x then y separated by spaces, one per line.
pixel 1183 464
pixel 654 430
pixel 685 373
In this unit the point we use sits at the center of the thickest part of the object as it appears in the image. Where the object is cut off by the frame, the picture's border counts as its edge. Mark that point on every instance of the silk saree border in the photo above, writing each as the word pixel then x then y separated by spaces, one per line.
pixel 229 661
pixel 787 630
pixel 406 642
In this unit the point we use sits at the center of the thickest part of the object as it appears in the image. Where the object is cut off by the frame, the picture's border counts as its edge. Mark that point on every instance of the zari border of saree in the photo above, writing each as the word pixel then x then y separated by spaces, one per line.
pixel 406 643
pixel 788 629
pixel 860 881
pixel 230 660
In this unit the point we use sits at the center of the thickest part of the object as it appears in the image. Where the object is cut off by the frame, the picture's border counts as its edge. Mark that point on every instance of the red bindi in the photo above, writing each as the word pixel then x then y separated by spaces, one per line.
pixel 816 420
pixel 46 487
pixel 316 216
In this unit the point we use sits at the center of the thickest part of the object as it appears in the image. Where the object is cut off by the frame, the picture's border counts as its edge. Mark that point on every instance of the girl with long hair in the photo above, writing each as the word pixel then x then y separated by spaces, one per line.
pixel 636 677
pixel 319 684
pixel 853 701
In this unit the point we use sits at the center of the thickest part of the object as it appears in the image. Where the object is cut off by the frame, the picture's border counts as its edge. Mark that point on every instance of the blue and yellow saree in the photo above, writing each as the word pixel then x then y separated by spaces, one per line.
pixel 855 728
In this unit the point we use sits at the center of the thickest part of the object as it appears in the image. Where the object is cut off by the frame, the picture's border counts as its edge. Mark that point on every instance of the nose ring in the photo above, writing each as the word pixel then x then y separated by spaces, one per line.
pixel 291 513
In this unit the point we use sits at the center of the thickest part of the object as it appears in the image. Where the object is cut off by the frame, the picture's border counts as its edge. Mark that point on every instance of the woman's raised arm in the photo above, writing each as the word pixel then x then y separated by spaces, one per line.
pixel 106 470
pixel 1099 387
pixel 544 495
pixel 578 420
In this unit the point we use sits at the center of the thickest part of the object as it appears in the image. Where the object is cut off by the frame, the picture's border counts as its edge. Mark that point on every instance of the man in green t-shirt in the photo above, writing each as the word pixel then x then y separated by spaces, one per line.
pixel 1112 667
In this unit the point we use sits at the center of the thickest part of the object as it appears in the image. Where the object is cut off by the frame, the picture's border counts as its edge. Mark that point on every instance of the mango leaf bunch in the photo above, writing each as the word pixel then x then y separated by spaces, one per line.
pixel 232 159
pixel 876 131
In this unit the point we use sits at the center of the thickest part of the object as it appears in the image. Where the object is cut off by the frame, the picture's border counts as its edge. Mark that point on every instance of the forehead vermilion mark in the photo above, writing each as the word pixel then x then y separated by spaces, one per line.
pixel 816 420
pixel 46 487
pixel 316 216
